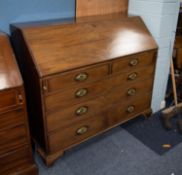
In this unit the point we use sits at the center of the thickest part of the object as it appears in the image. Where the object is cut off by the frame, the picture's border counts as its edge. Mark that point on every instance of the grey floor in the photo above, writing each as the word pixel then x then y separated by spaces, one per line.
pixel 115 153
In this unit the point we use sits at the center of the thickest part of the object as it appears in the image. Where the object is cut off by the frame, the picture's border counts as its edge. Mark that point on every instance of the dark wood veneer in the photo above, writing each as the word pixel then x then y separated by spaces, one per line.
pixel 117 56
pixel 15 147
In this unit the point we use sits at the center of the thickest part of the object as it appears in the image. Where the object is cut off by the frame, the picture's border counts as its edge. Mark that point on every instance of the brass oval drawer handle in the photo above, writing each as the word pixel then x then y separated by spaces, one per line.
pixel 81 77
pixel 134 62
pixel 81 93
pixel 132 76
pixel 130 109
pixel 82 110
pixel 131 92
pixel 82 130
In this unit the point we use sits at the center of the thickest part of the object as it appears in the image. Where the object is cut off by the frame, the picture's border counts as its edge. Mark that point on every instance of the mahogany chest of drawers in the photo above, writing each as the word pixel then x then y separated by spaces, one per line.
pixel 15 148
pixel 84 78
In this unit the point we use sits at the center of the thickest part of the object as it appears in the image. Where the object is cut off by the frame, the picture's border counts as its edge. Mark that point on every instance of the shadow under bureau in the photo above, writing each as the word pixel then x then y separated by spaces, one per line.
pixel 84 77
pixel 15 147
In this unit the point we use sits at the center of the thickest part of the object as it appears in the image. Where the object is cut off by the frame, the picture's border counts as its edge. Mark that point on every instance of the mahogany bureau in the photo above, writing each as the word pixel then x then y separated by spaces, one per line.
pixel 15 148
pixel 84 77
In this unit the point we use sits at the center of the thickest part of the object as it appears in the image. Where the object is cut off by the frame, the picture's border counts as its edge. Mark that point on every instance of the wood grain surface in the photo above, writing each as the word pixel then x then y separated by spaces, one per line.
pixel 101 68
pixel 15 146
pixel 100 7
pixel 9 76
pixel 80 44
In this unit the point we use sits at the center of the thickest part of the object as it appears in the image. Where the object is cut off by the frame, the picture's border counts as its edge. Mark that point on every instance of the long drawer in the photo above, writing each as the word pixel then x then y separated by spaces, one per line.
pixel 9 99
pixel 11 119
pixel 65 116
pixel 78 132
pixel 12 139
pixel 16 161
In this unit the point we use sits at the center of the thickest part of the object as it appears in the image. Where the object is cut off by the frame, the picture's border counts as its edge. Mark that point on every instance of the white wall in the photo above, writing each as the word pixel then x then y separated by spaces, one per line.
pixel 160 17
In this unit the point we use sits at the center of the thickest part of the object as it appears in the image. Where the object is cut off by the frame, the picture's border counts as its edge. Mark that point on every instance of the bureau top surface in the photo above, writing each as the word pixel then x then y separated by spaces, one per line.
pixel 62 47
pixel 9 73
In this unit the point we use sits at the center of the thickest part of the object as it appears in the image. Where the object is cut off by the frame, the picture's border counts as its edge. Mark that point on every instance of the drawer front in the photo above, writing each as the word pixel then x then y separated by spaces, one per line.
pixel 76 113
pixel 12 139
pixel 76 95
pixel 15 162
pixel 77 77
pixel 80 131
pixel 76 133
pixel 8 99
pixel 130 63
pixel 131 91
pixel 133 76
pixel 11 119
pixel 126 110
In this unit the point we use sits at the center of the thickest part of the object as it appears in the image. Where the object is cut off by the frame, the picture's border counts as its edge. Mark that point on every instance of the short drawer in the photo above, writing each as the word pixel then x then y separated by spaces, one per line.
pixel 8 99
pixel 16 161
pixel 128 109
pixel 76 77
pixel 11 119
pixel 133 62
pixel 12 139
pixel 76 95
pixel 76 133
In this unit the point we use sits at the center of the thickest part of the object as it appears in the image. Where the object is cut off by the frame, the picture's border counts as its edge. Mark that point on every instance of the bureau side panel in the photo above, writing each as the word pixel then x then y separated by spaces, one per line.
pixel 32 88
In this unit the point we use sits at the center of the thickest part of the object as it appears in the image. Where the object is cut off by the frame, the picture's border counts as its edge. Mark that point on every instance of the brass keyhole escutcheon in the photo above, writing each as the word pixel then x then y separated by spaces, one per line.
pixel 134 62
pixel 81 111
pixel 81 77
pixel 131 92
pixel 20 98
pixel 130 109
pixel 82 130
pixel 132 76
pixel 45 88
pixel 81 93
